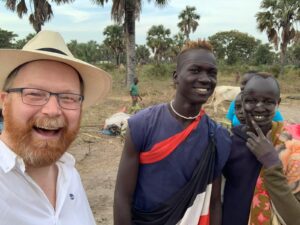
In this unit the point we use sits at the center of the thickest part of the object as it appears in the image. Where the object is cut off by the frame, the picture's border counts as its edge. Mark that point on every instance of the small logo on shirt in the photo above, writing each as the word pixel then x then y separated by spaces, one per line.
pixel 72 197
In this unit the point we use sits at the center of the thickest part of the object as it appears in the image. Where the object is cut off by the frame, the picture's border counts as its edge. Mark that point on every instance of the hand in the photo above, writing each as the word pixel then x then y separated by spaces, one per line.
pixel 262 146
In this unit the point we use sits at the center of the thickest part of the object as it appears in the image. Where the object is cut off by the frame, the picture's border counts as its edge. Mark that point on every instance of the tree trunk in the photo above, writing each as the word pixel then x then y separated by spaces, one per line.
pixel 130 40
pixel 282 57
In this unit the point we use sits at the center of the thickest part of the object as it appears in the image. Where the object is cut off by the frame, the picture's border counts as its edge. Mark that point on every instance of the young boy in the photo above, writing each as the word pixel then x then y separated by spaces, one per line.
pixel 134 92
pixel 238 108
pixel 231 115
pixel 256 189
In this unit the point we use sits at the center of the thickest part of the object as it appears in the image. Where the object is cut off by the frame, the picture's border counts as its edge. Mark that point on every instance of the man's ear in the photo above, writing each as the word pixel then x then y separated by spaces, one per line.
pixel 3 96
pixel 175 76
pixel 279 100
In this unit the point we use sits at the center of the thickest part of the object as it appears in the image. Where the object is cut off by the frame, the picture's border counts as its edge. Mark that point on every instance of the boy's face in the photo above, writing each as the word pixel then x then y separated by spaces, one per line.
pixel 239 111
pixel 260 98
pixel 196 76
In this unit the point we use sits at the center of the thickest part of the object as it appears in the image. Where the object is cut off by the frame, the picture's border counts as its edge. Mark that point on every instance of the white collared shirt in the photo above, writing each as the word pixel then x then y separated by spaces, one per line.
pixel 22 201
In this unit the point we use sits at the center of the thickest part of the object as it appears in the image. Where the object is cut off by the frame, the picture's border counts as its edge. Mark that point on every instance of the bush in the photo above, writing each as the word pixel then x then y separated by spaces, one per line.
pixel 159 70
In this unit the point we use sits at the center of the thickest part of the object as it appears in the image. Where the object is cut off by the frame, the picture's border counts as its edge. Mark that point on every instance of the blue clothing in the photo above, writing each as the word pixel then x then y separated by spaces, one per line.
pixel 157 182
pixel 235 121
pixel 241 172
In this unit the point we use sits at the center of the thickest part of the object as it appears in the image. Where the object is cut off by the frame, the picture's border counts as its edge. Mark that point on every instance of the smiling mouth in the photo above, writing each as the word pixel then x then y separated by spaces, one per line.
pixel 202 90
pixel 259 118
pixel 47 131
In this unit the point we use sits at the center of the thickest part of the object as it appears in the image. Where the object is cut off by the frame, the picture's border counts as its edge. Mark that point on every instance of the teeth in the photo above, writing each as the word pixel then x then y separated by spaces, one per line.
pixel 203 90
pixel 259 117
pixel 48 128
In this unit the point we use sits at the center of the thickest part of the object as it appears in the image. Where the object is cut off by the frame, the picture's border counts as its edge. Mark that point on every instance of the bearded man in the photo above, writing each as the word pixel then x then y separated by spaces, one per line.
pixel 44 90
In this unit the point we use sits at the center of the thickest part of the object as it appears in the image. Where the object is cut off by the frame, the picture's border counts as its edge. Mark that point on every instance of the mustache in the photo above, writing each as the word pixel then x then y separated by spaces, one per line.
pixel 49 122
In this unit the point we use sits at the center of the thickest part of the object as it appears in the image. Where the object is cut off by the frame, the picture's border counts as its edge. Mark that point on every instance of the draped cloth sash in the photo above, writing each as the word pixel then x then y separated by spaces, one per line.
pixel 190 205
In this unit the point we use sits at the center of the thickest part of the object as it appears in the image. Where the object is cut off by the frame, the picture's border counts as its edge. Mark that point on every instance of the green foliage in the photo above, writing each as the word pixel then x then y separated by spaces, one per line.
pixel 7 38
pixel 263 55
pixel 233 46
pixel 159 70
pixel 90 52
pixel 142 54
pixel 188 21
pixel 114 40
pixel 278 19
pixel 20 43
pixel 159 41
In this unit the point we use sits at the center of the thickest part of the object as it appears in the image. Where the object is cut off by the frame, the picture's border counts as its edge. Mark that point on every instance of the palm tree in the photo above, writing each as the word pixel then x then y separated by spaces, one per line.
pixel 278 19
pixel 115 40
pixel 127 11
pixel 188 21
pixel 159 41
pixel 42 10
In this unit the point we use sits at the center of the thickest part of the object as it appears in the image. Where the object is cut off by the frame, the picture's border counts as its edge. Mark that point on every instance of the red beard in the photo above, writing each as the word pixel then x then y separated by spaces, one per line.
pixel 34 151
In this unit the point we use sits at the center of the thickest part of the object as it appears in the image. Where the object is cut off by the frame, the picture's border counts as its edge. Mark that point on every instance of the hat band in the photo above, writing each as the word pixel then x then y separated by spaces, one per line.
pixel 54 50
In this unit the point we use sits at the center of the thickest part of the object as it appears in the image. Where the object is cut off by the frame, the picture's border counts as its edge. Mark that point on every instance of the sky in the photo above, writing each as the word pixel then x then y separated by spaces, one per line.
pixel 84 21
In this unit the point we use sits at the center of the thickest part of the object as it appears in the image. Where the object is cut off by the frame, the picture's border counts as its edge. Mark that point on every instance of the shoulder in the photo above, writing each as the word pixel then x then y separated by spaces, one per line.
pixel 148 113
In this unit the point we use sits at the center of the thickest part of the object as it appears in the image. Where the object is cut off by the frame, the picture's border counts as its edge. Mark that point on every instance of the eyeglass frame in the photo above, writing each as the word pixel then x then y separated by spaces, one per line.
pixel 20 90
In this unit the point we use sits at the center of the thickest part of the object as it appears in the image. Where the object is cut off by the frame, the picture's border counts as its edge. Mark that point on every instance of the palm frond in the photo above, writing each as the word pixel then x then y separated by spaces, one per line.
pixel 21 8
pixel 11 4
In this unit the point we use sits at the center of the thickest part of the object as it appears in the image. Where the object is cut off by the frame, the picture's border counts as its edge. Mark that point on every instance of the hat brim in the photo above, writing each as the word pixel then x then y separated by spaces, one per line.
pixel 97 82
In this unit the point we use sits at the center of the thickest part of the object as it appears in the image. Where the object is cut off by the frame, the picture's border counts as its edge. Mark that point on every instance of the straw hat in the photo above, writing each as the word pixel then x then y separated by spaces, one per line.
pixel 49 45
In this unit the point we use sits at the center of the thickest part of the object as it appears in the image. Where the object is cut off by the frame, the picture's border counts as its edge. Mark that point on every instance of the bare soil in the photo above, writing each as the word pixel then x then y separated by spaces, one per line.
pixel 98 155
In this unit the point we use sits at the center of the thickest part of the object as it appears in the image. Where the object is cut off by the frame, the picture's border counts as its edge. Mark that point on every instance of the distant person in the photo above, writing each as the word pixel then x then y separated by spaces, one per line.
pixel 262 181
pixel 231 110
pixel 134 92
pixel 238 108
pixel 44 90
pixel 170 169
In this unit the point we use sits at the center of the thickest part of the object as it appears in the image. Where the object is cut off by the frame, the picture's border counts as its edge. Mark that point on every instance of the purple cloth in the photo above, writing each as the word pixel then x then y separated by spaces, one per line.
pixel 157 182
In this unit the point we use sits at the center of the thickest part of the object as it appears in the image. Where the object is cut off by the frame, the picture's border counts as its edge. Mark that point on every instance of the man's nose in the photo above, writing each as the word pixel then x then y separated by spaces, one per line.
pixel 52 107
pixel 203 77
pixel 259 106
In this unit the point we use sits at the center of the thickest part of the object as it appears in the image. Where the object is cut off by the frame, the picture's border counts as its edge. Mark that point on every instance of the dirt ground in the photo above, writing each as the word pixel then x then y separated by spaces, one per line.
pixel 98 155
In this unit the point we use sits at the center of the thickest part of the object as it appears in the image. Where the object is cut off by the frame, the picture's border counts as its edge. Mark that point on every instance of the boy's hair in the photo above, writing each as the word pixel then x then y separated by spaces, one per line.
pixel 199 44
pixel 266 75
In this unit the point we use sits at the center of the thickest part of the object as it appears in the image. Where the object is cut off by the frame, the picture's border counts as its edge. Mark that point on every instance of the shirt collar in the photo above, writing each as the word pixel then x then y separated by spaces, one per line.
pixel 9 159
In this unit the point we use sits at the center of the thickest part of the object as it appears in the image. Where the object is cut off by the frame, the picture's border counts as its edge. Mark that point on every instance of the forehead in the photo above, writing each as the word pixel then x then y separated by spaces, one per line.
pixel 259 86
pixel 48 75
pixel 197 57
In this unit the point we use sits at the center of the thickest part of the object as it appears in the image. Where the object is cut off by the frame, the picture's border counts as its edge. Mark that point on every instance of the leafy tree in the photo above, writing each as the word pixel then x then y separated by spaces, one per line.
pixel 85 51
pixel 159 41
pixel 188 21
pixel 176 46
pixel 20 43
pixel 263 55
pixel 279 18
pixel 142 54
pixel 42 10
pixel 127 11
pixel 7 38
pixel 233 46
pixel 115 40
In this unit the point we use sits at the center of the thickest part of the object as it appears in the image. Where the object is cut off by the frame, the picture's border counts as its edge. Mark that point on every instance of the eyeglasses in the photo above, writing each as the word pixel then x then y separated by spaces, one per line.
pixel 38 97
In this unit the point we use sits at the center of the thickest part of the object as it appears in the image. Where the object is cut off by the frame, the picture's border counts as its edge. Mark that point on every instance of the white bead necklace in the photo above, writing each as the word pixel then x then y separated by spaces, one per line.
pixel 181 116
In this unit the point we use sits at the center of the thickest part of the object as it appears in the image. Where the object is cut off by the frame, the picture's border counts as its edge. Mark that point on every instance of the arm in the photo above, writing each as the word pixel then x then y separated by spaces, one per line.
pixel 215 203
pixel 286 203
pixel 126 182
